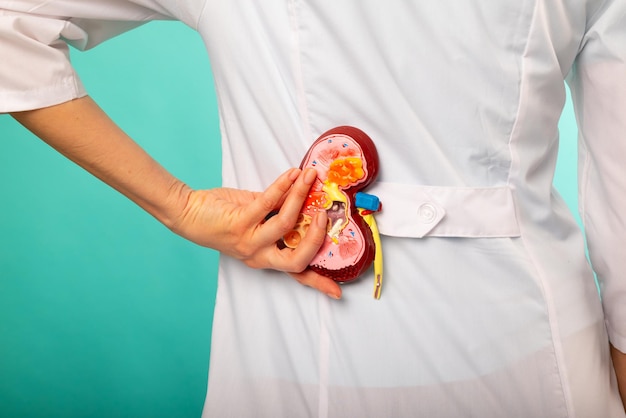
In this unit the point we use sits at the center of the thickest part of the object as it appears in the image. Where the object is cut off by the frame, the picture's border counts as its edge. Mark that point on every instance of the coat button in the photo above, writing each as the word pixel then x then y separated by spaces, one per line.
pixel 427 213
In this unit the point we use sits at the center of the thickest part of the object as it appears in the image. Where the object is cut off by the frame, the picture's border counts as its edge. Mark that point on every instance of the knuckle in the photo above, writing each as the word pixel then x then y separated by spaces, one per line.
pixel 283 224
pixel 252 263
pixel 267 203
pixel 299 266
pixel 244 251
pixel 316 237
pixel 302 280
pixel 307 280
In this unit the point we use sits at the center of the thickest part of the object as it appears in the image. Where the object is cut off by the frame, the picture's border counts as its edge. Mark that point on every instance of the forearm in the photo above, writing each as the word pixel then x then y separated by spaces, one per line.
pixel 228 220
pixel 81 131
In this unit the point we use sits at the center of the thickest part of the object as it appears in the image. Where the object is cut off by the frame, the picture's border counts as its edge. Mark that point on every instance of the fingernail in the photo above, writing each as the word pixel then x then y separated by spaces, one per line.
pixel 309 176
pixel 294 173
pixel 333 296
pixel 321 219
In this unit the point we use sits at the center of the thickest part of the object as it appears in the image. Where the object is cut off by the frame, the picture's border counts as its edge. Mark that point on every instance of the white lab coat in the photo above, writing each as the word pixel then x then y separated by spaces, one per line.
pixel 489 305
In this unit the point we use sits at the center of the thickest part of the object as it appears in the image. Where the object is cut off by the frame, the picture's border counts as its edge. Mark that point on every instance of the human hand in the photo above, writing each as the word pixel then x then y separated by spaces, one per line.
pixel 231 221
pixel 234 222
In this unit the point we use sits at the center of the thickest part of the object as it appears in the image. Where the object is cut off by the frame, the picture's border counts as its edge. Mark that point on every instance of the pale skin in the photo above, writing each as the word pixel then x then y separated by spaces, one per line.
pixel 228 220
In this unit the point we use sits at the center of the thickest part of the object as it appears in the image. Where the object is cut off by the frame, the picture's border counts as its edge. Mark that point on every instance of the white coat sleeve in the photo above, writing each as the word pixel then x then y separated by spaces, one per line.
pixel 598 84
pixel 35 69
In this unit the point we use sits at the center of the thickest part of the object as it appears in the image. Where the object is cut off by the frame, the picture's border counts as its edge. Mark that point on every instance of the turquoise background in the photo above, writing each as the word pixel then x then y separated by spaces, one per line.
pixel 103 311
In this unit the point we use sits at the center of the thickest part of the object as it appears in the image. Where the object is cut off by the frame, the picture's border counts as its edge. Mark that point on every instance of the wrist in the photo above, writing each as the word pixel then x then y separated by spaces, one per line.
pixel 172 209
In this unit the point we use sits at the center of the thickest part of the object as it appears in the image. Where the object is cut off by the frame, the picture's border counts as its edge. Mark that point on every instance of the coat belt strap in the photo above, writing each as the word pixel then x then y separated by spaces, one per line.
pixel 419 211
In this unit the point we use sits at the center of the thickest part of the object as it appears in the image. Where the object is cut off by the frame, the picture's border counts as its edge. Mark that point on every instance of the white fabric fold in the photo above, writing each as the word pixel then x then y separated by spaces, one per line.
pixel 417 211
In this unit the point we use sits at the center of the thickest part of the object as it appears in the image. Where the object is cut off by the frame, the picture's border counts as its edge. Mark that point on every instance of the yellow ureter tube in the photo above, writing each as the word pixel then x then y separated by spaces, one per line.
pixel 378 255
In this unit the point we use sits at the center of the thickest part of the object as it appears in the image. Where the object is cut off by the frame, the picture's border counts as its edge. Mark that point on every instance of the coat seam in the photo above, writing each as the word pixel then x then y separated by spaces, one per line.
pixel 298 72
pixel 515 163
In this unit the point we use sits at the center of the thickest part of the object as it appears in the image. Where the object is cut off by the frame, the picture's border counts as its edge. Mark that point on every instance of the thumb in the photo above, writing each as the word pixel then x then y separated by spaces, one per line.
pixel 318 282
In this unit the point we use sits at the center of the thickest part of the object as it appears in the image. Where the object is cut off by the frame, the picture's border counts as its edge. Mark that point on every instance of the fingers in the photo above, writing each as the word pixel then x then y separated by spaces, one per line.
pixel 290 192
pixel 318 282
pixel 259 250
pixel 298 259
pixel 273 196
pixel 310 244
pixel 297 195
